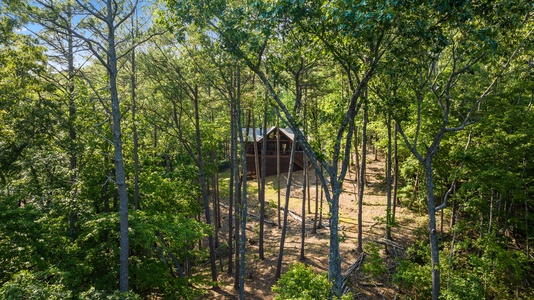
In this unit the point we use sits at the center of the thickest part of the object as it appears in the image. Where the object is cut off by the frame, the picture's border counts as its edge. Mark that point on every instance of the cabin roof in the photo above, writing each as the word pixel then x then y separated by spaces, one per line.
pixel 259 133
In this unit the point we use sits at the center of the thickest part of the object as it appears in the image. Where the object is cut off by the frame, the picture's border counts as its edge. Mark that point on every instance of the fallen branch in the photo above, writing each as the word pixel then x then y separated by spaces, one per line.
pixel 299 218
pixel 390 243
pixel 253 216
pixel 350 270
pixel 256 217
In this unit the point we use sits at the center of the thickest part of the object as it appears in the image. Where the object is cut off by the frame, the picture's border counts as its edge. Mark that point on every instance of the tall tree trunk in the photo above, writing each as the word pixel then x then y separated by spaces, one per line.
pixel 237 219
pixel 315 218
pixel 361 183
pixel 216 192
pixel 216 204
pixel 233 186
pixel 244 198
pixel 316 130
pixel 334 257
pixel 395 171
pixel 434 250
pixel 388 181
pixel 119 164
pixel 72 129
pixel 356 154
pixel 258 177
pixel 203 184
pixel 527 236
pixel 286 209
pixel 134 120
pixel 263 166
pixel 256 156
pixel 303 210
pixel 278 166
pixel 321 203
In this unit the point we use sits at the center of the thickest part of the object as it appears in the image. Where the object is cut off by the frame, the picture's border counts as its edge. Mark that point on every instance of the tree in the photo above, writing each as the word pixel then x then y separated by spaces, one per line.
pixel 99 33
pixel 176 79
pixel 246 32
pixel 455 55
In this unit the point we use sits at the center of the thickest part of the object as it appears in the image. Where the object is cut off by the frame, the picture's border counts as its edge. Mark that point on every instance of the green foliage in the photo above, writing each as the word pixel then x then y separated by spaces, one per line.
pixel 105 295
pixel 301 282
pixel 485 268
pixel 27 285
pixel 414 279
pixel 412 275
pixel 374 264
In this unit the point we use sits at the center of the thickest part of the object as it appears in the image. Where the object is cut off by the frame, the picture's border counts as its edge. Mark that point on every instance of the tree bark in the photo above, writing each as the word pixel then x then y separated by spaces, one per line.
pixel 278 167
pixel 72 129
pixel 203 185
pixel 361 182
pixel 395 172
pixel 434 250
pixel 243 216
pixel 303 210
pixel 262 186
pixel 134 121
pixel 286 209
pixel 388 181
pixel 119 164
pixel 233 186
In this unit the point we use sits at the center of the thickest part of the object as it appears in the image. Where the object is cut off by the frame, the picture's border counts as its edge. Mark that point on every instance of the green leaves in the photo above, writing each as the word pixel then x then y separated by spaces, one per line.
pixel 301 282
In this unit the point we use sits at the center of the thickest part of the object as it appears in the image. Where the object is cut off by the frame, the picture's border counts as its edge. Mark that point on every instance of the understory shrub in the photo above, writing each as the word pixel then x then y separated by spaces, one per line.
pixel 301 282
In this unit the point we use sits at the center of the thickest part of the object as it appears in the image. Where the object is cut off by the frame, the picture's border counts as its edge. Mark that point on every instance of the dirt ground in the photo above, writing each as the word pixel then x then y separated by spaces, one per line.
pixel 260 273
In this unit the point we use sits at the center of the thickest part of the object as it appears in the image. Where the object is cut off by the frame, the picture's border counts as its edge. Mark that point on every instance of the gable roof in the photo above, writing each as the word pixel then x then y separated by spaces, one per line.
pixel 259 133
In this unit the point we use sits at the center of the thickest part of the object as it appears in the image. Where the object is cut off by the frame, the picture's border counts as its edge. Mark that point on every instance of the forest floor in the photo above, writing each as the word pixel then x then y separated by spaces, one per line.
pixel 260 273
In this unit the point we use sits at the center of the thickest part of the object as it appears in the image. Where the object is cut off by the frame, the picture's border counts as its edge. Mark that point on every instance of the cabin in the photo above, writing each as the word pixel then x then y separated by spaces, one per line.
pixel 287 138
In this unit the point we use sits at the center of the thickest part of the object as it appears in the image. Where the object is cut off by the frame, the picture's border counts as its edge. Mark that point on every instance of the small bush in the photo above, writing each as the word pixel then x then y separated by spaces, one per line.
pixel 374 266
pixel 300 282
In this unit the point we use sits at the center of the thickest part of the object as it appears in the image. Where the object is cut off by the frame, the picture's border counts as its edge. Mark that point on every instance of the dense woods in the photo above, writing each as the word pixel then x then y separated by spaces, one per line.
pixel 125 130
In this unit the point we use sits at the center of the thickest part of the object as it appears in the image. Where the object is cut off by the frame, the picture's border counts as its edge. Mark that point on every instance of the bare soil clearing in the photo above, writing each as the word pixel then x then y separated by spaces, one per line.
pixel 260 274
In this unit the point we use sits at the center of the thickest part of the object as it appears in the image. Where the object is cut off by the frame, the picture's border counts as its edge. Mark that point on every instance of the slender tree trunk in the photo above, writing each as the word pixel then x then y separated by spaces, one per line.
pixel 303 210
pixel 233 186
pixel 308 186
pixel 134 122
pixel 527 237
pixel 316 130
pixel 356 154
pixel 216 206
pixel 256 156
pixel 361 183
pixel 244 199
pixel 119 164
pixel 321 204
pixel 395 172
pixel 278 167
pixel 204 187
pixel 286 209
pixel 237 219
pixel 388 181
pixel 216 190
pixel 242 182
pixel 334 256
pixel 258 178
pixel 315 218
pixel 434 250
pixel 72 129
pixel 262 199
